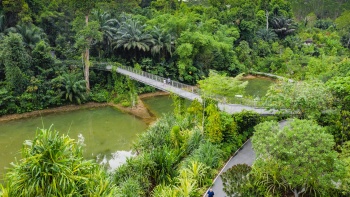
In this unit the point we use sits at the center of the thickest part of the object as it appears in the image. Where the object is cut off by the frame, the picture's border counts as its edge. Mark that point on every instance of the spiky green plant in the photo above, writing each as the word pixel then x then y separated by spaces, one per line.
pixel 73 87
pixel 53 165
pixel 198 171
pixel 165 190
pixel 186 185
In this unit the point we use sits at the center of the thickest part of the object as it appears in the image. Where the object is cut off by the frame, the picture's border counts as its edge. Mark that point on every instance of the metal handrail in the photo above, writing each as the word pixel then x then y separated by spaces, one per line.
pixel 164 80
pixel 185 87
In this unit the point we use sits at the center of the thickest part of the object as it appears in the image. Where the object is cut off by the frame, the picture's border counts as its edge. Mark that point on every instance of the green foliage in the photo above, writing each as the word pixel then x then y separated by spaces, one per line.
pixel 17 63
pixel 340 87
pixel 31 34
pixel 208 154
pixel 157 135
pixel 266 35
pixel 213 124
pixel 131 36
pixel 297 165
pixel 42 60
pixel 73 87
pixel 130 188
pixel 234 180
pixel 217 84
pixel 345 157
pixel 196 111
pixel 197 171
pixel 99 95
pixel 306 99
pixel 246 121
pixel 83 6
pixel 87 35
pixel 54 165
pixel 179 105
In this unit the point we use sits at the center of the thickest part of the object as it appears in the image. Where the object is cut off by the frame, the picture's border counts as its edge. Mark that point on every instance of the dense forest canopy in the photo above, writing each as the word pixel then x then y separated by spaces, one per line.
pixel 53 53
pixel 182 40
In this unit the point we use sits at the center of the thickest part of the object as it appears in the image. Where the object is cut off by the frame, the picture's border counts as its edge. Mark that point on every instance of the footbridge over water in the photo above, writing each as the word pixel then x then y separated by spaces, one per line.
pixel 182 90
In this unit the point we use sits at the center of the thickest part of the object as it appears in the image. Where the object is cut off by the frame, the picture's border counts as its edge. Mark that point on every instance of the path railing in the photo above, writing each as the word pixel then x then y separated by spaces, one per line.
pixel 175 84
pixel 237 100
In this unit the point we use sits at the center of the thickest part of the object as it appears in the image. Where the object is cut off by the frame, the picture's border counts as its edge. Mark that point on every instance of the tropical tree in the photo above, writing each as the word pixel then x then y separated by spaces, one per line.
pixel 73 87
pixel 53 165
pixel 221 85
pixel 283 26
pixel 266 35
pixel 30 33
pixel 234 180
pixel 300 156
pixel 16 61
pixel 87 36
pixel 213 127
pixel 345 157
pixel 343 23
pixel 163 42
pixel 305 99
pixel 108 27
pixel 131 36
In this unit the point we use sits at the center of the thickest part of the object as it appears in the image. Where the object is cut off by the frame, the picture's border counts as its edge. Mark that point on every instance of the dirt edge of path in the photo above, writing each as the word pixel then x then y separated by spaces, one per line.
pixel 140 110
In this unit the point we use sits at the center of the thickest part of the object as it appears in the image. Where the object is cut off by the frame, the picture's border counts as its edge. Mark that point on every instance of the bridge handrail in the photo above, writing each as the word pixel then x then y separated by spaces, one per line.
pixel 176 84
pixel 158 78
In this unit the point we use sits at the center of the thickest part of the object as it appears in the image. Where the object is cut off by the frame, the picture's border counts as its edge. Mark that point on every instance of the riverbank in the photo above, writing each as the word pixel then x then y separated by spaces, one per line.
pixel 140 110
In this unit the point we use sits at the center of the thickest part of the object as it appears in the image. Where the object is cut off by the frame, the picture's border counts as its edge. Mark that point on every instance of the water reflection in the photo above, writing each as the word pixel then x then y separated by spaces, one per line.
pixel 114 160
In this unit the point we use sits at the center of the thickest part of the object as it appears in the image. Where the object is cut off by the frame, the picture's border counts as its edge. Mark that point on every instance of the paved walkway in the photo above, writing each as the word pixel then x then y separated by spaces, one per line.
pixel 245 155
pixel 184 91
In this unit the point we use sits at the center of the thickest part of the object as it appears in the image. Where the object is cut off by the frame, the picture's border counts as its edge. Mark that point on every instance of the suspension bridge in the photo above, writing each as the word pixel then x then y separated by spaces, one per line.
pixel 182 90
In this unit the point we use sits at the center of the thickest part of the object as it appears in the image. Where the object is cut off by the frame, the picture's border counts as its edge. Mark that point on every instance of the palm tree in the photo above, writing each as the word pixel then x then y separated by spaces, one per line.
pixel 283 26
pixel 74 87
pixel 163 42
pixel 131 35
pixel 108 26
pixel 266 35
pixel 30 33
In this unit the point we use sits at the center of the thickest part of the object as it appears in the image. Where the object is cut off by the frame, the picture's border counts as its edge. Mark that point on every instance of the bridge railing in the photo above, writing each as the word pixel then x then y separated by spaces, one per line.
pixel 222 99
pixel 159 78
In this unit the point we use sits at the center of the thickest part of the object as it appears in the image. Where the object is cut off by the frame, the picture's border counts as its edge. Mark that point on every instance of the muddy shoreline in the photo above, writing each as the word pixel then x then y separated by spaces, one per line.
pixel 140 110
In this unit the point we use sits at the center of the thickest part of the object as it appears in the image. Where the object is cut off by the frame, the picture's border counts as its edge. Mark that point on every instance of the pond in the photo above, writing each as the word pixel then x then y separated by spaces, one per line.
pixel 258 86
pixel 107 132
pixel 159 105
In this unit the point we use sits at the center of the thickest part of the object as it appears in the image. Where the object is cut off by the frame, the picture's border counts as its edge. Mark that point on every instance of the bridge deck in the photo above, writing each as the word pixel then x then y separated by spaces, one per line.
pixel 184 91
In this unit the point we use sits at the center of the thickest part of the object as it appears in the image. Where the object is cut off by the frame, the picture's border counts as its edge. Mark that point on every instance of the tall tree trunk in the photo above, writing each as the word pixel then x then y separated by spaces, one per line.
pixel 87 60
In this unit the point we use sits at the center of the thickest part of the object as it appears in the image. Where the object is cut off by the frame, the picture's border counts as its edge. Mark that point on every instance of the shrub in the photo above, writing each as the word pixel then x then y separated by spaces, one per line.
pixel 126 103
pixel 235 178
pixel 208 154
pixel 53 165
pixel 100 95
pixel 246 120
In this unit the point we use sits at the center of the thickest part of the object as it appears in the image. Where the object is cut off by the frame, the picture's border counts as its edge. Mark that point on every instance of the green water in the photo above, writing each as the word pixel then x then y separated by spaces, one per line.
pixel 257 87
pixel 160 105
pixel 107 132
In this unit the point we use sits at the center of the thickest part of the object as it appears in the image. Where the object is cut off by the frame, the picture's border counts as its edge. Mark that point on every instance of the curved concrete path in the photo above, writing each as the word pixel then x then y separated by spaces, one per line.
pixel 245 155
